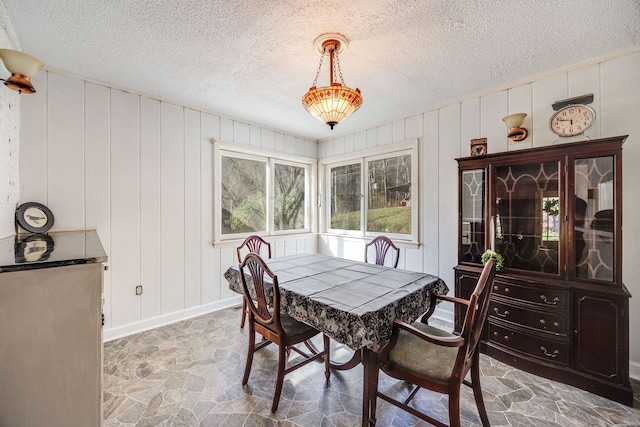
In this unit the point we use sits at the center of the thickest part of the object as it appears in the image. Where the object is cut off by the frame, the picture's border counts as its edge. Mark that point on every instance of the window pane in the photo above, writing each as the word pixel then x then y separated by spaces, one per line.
pixel 389 207
pixel 345 197
pixel 244 185
pixel 289 192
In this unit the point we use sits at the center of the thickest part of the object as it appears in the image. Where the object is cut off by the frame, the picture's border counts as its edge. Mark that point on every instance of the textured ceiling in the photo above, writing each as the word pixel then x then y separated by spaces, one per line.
pixel 254 59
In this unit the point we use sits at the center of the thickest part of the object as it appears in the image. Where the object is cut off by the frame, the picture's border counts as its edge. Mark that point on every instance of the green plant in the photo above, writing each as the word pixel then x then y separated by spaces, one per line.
pixel 493 254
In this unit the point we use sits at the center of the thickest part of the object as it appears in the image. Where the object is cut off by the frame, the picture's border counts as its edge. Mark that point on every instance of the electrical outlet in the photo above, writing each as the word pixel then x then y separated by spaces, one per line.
pixel 139 290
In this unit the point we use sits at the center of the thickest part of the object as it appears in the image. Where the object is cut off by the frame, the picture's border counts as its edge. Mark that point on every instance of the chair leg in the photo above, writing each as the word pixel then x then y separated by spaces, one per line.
pixel 454 407
pixel 250 351
pixel 244 313
pixel 477 389
pixel 327 361
pixel 282 360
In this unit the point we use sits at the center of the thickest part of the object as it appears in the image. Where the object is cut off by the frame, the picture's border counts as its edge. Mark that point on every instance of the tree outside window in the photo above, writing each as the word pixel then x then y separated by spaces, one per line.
pixel 262 195
pixel 244 195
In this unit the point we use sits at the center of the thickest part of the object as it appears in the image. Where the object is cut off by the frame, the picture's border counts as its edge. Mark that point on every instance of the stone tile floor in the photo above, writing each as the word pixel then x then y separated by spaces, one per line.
pixel 189 374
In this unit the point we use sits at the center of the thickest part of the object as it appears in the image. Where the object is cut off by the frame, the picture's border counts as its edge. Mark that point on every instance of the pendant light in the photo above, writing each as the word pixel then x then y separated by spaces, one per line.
pixel 335 102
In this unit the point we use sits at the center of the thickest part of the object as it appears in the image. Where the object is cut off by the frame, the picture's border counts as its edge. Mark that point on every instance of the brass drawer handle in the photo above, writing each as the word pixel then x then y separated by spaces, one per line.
pixel 545 300
pixel 544 350
pixel 544 322
pixel 505 314
pixel 506 337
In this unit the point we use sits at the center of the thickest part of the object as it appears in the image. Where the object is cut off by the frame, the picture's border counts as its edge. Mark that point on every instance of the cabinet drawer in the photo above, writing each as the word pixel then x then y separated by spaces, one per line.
pixel 550 351
pixel 548 322
pixel 541 296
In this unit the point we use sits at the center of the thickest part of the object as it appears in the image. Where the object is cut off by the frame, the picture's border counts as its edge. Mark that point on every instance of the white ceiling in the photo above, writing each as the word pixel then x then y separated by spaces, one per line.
pixel 254 59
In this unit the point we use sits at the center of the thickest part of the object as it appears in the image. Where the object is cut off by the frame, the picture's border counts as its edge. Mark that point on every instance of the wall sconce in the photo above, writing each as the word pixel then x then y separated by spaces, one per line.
pixel 513 122
pixel 22 68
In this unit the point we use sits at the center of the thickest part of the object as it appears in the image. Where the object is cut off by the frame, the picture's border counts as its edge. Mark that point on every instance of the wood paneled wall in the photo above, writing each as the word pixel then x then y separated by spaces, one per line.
pixel 140 171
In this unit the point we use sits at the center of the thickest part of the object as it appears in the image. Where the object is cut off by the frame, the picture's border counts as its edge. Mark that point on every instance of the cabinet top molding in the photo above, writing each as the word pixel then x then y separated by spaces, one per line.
pixel 570 147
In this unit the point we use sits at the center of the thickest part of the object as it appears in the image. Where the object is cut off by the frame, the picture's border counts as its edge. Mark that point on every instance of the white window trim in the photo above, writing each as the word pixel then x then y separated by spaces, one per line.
pixel 398 148
pixel 271 157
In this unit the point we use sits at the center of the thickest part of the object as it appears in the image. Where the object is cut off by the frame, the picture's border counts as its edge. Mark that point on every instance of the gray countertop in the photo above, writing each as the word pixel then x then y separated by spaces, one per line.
pixel 55 249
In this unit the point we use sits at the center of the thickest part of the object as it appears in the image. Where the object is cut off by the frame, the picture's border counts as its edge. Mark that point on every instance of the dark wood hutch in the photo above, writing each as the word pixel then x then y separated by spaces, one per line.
pixel 559 308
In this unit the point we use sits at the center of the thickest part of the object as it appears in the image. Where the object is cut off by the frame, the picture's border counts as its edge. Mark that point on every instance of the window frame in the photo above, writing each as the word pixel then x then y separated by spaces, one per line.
pixel 409 147
pixel 222 149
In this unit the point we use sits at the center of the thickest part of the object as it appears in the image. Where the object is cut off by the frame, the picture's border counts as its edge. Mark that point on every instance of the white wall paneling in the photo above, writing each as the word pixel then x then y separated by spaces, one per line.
pixel 97 165
pixel 159 178
pixel 150 209
pixel 192 210
pixel 583 81
pixel 65 151
pixel 447 196
pixel 429 192
pixel 209 256
pixel 493 108
pixel 545 93
pixel 619 111
pixel 172 207
pixel 124 257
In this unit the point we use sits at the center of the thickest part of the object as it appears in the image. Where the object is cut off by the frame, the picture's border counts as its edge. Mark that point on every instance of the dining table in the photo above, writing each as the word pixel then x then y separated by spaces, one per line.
pixel 353 302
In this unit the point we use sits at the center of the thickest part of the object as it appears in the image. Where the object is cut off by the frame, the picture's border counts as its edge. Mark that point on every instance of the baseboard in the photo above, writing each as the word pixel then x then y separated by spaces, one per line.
pixel 634 370
pixel 166 319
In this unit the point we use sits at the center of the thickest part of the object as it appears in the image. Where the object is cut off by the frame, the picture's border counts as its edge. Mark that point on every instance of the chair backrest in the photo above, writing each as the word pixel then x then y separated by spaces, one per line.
pixel 382 244
pixel 475 317
pixel 265 301
pixel 254 244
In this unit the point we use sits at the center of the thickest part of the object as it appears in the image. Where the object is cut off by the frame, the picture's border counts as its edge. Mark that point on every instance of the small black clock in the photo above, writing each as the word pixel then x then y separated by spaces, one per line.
pixel 34 217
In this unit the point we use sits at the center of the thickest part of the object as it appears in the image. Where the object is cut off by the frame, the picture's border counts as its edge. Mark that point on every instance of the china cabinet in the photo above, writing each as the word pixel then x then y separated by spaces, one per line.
pixel 559 308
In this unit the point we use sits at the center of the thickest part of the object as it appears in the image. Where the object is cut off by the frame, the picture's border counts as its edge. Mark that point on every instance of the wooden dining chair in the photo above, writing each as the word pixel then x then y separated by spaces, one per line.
pixel 253 244
pixel 437 360
pixel 382 245
pixel 278 328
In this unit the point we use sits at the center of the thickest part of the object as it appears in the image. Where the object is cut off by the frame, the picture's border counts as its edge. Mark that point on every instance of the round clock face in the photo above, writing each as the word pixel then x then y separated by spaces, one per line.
pixel 572 120
pixel 34 217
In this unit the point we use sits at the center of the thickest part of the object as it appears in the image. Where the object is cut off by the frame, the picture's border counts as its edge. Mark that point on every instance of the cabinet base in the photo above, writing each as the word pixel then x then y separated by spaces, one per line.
pixel 621 393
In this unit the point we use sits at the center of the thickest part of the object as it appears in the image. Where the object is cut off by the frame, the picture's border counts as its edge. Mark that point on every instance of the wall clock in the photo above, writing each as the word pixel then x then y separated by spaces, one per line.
pixel 572 120
pixel 34 217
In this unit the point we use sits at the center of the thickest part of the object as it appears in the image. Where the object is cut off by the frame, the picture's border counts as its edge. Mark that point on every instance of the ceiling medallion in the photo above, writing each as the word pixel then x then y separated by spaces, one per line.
pixel 335 102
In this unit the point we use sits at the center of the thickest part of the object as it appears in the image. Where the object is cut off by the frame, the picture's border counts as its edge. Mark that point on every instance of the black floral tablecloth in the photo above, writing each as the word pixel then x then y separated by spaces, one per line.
pixel 352 302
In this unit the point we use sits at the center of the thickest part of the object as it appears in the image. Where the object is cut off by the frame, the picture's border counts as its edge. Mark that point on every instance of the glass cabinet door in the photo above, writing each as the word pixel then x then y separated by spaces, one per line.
pixel 594 237
pixel 527 217
pixel 472 199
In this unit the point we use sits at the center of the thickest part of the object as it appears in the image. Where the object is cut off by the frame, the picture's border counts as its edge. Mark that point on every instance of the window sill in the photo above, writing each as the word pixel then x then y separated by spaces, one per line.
pixel 267 237
pixel 346 238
